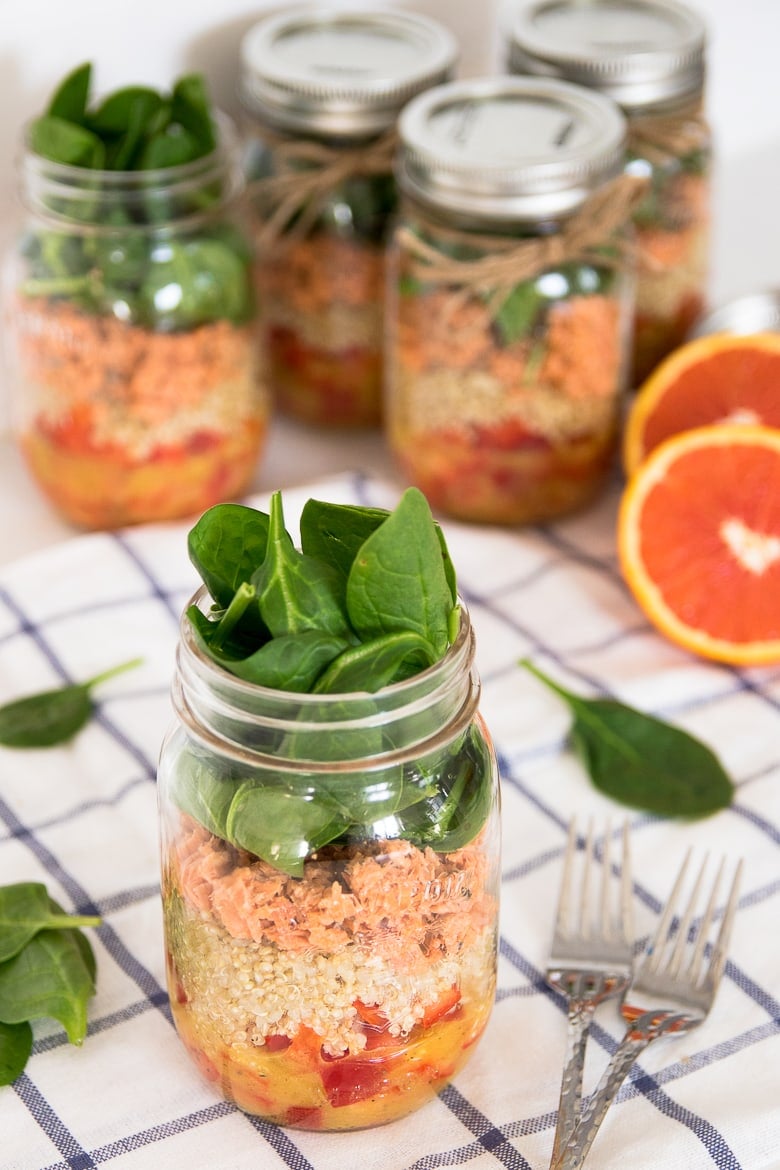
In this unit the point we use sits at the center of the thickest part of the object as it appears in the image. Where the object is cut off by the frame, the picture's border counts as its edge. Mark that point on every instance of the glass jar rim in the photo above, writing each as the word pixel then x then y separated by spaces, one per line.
pixel 65 179
pixel 198 677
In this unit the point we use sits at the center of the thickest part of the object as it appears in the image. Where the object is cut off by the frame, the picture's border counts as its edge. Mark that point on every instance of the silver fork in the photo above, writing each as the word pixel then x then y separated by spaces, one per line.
pixel 672 991
pixel 590 957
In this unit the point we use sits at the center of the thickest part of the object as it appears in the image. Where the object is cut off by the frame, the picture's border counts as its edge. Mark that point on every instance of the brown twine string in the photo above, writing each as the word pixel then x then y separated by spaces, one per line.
pixel 307 173
pixel 497 272
pixel 675 135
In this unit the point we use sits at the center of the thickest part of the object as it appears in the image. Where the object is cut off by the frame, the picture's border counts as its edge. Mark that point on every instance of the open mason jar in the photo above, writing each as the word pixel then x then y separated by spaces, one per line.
pixel 511 297
pixel 330 887
pixel 649 56
pixel 322 91
pixel 129 311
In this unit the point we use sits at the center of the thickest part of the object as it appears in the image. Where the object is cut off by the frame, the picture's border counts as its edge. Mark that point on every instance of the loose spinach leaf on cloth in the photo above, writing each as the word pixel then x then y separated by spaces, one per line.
pixel 47 969
pixel 15 1048
pixel 26 909
pixel 642 761
pixel 52 717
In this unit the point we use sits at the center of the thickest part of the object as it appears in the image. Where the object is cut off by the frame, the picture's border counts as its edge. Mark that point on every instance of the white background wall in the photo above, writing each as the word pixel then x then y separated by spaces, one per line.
pixel 155 40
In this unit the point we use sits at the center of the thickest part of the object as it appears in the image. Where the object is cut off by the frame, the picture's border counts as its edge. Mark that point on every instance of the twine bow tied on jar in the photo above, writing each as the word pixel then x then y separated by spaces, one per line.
pixel 505 263
pixel 307 174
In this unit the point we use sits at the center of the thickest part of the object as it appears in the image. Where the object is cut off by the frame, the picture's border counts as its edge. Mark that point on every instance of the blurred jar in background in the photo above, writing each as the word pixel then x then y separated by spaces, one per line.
pixel 649 56
pixel 322 91
pixel 511 307
pixel 129 313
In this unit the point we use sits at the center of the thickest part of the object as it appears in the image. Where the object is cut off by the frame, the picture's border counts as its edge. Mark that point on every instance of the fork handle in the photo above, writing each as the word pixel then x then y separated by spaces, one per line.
pixel 583 1133
pixel 580 1016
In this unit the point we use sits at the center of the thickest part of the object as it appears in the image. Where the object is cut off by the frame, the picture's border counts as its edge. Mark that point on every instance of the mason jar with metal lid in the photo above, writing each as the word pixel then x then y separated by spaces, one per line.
pixel 511 282
pixel 649 56
pixel 322 90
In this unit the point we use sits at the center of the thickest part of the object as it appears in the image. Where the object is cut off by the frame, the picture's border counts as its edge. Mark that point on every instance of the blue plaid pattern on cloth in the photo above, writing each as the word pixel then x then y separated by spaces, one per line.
pixel 82 819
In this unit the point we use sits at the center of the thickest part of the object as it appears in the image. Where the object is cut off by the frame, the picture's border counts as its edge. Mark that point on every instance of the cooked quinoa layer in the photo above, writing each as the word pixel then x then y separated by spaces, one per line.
pixel 245 991
pixel 131 387
pixel 260 953
pixel 456 400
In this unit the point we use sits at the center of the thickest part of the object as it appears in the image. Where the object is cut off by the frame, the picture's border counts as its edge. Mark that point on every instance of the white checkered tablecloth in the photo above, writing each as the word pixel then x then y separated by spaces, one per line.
pixel 82 819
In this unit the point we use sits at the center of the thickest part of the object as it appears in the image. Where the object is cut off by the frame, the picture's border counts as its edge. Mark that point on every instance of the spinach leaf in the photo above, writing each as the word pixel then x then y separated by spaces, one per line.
pixel 519 312
pixel 122 108
pixel 52 717
pixel 69 100
pixel 226 546
pixel 199 789
pixel 188 284
pixel 15 1048
pixel 222 629
pixel 65 142
pixel 25 909
pixel 190 107
pixel 296 592
pixel 281 826
pixel 397 581
pixel 372 665
pixel 335 532
pixel 641 761
pixel 171 146
pixel 292 662
pixel 48 978
pixel 461 783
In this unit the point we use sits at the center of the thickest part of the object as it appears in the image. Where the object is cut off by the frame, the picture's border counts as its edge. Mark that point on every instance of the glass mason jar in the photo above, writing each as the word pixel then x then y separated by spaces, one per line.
pixel 649 56
pixel 509 328
pixel 322 91
pixel 330 887
pixel 129 311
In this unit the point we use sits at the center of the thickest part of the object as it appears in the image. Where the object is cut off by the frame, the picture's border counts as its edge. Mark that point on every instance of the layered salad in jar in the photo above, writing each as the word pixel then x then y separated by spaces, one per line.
pixel 330 842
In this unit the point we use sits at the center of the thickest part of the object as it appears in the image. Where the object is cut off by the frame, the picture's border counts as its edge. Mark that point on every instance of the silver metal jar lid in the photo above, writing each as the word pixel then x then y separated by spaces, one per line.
pixel 341 72
pixel 639 52
pixel 509 148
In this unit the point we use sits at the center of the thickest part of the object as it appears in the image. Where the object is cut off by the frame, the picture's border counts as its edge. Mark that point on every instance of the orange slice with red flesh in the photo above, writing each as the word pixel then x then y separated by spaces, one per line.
pixel 699 541
pixel 720 378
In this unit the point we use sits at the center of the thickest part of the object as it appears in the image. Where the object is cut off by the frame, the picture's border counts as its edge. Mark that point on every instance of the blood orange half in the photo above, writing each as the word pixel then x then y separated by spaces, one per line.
pixel 699 541
pixel 720 378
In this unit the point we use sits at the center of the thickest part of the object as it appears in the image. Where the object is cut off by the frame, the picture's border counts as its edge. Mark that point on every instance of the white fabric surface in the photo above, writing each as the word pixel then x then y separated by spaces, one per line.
pixel 82 819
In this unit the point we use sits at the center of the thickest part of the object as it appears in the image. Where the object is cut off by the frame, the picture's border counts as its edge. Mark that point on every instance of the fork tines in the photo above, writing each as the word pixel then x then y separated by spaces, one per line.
pixel 682 942
pixel 583 916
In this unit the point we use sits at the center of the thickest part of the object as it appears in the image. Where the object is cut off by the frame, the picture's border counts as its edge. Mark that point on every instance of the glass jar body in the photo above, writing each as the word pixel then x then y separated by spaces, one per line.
pixel 321 284
pixel 129 309
pixel 673 150
pixel 330 889
pixel 504 404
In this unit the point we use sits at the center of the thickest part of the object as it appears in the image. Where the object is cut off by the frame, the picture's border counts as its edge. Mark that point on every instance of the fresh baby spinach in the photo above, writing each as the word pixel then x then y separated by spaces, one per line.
pixel 26 909
pixel 52 717
pixel 375 590
pixel 47 969
pixel 335 532
pixel 226 546
pixel 130 262
pixel 642 761
pixel 296 592
pixel 397 581
pixel 370 599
